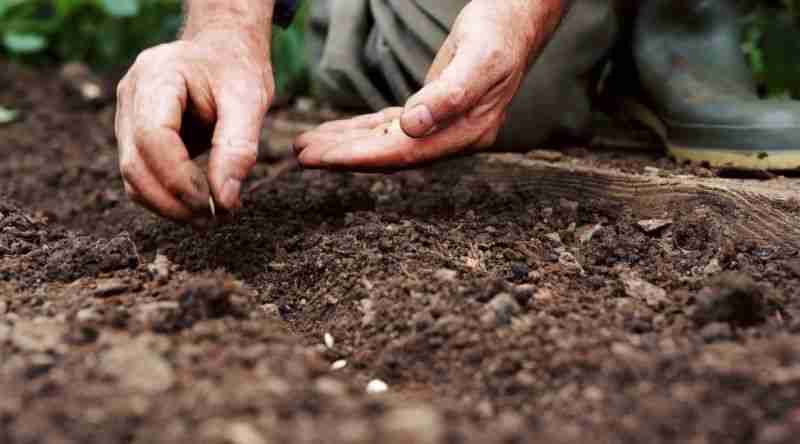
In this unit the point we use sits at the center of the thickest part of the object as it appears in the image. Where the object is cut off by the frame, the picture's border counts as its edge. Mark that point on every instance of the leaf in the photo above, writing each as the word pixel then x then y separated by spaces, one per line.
pixel 24 43
pixel 121 8
pixel 7 115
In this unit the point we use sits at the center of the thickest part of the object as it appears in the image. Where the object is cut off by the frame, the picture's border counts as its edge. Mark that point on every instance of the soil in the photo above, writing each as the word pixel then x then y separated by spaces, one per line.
pixel 492 314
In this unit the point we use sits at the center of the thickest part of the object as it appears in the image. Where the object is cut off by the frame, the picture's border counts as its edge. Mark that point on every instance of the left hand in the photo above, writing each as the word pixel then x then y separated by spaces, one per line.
pixel 462 106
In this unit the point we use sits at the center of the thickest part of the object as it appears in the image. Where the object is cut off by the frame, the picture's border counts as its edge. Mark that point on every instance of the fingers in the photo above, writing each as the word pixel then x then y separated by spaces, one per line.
pixel 158 111
pixel 154 164
pixel 234 149
pixel 387 147
pixel 474 69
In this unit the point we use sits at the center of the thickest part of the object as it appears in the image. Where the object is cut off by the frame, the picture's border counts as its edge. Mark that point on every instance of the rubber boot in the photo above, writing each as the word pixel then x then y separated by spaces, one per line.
pixel 696 79
pixel 378 52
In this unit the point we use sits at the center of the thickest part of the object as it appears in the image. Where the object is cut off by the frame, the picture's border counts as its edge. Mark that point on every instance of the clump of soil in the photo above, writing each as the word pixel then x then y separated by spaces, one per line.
pixel 492 314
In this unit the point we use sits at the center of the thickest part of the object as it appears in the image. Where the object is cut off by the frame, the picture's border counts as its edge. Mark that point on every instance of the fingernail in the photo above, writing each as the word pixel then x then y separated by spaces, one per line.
pixel 418 121
pixel 230 193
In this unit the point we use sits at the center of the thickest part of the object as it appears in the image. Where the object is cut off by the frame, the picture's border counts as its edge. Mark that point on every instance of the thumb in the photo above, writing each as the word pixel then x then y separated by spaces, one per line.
pixel 472 71
pixel 234 147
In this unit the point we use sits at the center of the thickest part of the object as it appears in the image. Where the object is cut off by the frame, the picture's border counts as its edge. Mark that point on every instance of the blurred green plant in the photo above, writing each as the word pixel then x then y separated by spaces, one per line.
pixel 109 33
pixel 772 45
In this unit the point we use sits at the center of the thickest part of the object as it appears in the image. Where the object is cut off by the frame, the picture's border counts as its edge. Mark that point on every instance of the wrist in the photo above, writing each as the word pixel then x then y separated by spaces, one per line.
pixel 251 17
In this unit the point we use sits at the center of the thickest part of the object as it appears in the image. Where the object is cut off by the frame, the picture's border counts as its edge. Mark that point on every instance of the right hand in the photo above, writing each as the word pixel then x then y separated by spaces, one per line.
pixel 181 99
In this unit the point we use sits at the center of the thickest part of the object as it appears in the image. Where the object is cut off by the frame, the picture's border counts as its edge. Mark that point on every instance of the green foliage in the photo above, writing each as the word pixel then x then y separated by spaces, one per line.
pixel 772 44
pixel 101 32
pixel 108 33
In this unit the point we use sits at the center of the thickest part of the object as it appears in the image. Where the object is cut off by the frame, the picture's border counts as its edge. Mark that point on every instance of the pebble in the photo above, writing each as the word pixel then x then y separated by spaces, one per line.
pixel 339 365
pixel 110 287
pixel 376 386
pixel 138 368
pixel 503 308
pixel 637 288
pixel 413 424
pixel 651 226
pixel 87 315
pixel 244 433
pixel 160 268
pixel 445 275
pixel 368 310
pixel 329 341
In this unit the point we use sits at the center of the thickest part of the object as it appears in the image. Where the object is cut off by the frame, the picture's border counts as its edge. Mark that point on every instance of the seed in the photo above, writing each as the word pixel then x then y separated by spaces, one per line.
pixel 329 342
pixel 338 365
pixel 377 386
pixel 212 206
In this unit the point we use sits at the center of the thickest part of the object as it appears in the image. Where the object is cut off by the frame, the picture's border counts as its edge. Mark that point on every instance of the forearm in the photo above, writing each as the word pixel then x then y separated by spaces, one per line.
pixel 250 16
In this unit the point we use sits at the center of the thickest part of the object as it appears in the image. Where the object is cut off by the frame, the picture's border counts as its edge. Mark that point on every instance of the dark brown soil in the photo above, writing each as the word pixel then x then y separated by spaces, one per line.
pixel 493 315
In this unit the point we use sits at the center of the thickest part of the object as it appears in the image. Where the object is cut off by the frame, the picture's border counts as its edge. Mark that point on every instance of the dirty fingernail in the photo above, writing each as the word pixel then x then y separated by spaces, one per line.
pixel 417 121
pixel 229 196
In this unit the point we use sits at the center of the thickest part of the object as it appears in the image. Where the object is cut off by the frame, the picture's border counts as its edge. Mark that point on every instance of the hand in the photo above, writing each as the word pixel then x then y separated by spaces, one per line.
pixel 461 108
pixel 210 91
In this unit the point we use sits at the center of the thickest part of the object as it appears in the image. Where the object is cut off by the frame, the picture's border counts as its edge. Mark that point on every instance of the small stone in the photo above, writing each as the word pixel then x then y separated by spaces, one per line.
pixel 655 297
pixel 138 368
pixel 87 315
pixel 160 268
pixel 376 386
pixel 368 310
pixel 339 365
pixel 329 341
pixel 110 287
pixel 505 307
pixel 244 433
pixel 713 268
pixel 445 275
pixel 413 424
pixel 651 226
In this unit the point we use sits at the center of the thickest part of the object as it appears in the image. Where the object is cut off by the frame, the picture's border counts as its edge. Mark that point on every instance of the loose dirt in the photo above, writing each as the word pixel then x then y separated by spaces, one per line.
pixel 492 314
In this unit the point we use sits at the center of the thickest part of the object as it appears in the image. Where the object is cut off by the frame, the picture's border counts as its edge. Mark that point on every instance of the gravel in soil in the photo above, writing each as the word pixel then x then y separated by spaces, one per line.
pixel 474 313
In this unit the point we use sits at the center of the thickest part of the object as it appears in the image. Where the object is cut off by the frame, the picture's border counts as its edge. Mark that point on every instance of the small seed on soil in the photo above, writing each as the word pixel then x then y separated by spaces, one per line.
pixel 339 365
pixel 376 386
pixel 329 341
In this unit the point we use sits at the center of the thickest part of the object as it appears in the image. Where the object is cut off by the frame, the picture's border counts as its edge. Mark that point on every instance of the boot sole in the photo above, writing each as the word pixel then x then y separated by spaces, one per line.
pixel 781 159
